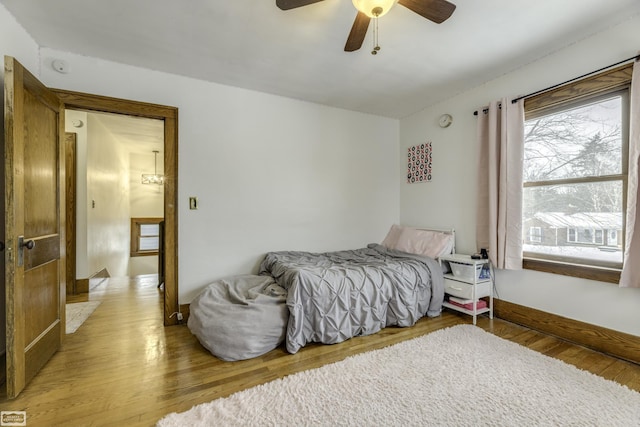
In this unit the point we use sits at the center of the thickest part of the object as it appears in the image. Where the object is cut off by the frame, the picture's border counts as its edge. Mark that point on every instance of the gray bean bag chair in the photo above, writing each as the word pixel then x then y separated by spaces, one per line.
pixel 240 317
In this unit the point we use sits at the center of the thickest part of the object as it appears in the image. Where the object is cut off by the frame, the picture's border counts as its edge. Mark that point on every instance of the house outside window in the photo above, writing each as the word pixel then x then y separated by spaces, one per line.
pixel 575 176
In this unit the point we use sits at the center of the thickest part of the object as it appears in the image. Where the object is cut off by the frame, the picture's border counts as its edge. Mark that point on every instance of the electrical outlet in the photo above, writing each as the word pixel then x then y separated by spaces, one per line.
pixel 179 315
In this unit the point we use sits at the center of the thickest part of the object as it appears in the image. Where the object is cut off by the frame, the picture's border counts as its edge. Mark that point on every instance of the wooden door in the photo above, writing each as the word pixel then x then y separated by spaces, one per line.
pixel 34 228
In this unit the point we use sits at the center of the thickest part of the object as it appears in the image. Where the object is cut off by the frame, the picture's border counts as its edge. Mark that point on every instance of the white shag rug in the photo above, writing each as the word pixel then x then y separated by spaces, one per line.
pixel 77 313
pixel 459 376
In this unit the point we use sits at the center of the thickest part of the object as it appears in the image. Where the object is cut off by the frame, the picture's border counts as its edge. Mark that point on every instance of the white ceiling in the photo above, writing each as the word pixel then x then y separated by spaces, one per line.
pixel 299 53
pixel 137 134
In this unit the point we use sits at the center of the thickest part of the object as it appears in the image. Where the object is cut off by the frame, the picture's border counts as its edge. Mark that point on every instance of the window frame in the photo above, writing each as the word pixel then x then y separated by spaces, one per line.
pixel 599 86
pixel 136 225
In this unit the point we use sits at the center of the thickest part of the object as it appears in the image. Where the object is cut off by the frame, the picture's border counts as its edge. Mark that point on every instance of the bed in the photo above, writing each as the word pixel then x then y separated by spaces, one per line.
pixel 330 297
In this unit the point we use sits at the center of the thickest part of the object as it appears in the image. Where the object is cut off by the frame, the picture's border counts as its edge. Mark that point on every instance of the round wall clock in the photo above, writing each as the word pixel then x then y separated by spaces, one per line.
pixel 445 120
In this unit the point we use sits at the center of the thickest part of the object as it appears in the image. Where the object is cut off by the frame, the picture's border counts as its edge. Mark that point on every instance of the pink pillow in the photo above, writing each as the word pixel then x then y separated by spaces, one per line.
pixel 428 243
pixel 392 237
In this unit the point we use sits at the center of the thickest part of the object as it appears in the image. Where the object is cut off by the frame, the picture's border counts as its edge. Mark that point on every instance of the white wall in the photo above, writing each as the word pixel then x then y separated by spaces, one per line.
pixel 270 173
pixel 16 42
pixel 146 201
pixel 450 199
pixel 108 217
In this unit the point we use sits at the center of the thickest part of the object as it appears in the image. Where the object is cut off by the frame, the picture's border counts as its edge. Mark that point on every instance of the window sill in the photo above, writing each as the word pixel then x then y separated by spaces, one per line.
pixel 601 274
pixel 137 254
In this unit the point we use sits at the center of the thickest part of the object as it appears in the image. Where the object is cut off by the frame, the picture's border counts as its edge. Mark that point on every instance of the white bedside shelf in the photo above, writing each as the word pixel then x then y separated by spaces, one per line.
pixel 468 286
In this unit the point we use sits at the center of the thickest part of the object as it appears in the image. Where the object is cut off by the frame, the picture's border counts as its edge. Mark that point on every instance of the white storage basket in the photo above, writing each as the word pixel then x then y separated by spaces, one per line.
pixel 465 271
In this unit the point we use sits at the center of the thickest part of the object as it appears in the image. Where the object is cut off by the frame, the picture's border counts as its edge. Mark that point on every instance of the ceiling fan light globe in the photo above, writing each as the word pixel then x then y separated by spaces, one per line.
pixel 367 6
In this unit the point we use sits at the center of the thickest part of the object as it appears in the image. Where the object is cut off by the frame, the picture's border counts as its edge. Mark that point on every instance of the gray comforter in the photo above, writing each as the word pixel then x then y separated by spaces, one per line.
pixel 334 296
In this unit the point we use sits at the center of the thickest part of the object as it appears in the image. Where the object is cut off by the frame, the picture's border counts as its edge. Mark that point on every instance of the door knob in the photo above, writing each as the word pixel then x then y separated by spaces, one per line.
pixel 22 244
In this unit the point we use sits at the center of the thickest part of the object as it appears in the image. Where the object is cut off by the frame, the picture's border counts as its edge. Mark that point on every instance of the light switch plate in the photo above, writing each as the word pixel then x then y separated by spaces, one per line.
pixel 193 203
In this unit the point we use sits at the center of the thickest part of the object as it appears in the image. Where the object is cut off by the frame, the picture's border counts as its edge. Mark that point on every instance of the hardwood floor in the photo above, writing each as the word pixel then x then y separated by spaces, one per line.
pixel 122 367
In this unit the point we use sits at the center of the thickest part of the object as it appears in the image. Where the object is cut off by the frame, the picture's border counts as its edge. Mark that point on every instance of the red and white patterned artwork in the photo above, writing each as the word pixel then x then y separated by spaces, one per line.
pixel 419 163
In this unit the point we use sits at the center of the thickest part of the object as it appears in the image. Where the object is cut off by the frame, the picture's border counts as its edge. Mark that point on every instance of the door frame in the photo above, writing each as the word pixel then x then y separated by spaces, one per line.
pixel 70 152
pixel 169 115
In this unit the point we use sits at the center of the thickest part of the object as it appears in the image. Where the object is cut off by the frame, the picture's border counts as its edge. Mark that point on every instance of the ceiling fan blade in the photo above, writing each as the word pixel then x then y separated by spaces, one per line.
pixel 437 11
pixel 358 32
pixel 292 4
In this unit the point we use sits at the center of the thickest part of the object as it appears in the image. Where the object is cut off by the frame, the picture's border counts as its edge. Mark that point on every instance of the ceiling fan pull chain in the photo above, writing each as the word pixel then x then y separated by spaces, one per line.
pixel 434 10
pixel 376 46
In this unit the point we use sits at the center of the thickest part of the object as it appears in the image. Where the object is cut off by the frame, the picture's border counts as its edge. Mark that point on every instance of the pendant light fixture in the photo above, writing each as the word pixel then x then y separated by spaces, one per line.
pixel 154 178
pixel 374 8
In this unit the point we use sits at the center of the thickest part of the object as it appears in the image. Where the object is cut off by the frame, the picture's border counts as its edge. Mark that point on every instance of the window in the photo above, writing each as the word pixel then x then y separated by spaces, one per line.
pixel 587 236
pixel 535 234
pixel 575 176
pixel 598 237
pixel 145 236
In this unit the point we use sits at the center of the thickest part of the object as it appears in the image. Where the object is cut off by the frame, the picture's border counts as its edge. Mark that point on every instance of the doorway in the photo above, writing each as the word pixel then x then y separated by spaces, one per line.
pixel 114 155
pixel 169 116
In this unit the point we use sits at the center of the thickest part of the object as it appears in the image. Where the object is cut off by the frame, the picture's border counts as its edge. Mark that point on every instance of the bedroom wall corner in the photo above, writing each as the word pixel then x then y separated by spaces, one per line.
pixel 17 42
pixel 450 198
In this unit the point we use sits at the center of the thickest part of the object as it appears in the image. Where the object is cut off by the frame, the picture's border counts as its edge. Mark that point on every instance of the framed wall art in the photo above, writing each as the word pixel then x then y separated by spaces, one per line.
pixel 419 160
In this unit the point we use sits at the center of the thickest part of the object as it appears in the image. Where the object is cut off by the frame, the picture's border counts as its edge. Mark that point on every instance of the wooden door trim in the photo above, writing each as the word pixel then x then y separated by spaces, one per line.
pixel 70 210
pixel 83 101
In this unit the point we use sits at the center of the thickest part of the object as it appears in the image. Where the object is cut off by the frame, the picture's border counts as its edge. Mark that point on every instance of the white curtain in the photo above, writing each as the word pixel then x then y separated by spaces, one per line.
pixel 630 277
pixel 500 137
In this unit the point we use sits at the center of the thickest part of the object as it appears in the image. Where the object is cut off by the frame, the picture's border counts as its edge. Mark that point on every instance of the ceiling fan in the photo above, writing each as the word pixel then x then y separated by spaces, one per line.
pixel 434 10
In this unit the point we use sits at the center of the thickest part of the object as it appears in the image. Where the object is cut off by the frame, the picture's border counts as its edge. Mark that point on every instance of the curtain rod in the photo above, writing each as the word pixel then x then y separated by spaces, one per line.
pixel 475 113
